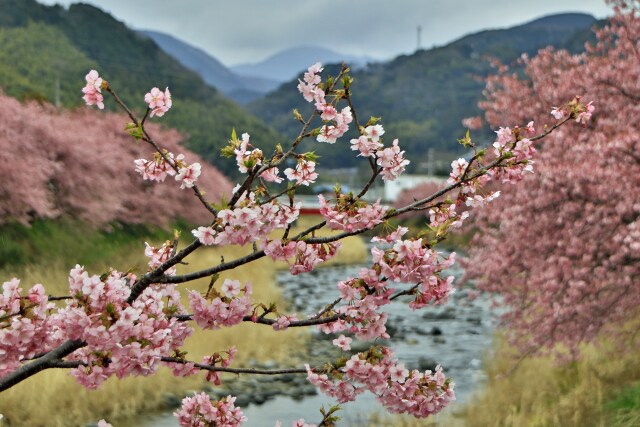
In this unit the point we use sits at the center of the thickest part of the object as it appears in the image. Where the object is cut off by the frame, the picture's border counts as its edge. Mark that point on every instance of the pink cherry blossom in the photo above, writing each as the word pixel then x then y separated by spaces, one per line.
pixel 206 235
pixel 343 342
pixel 92 90
pixel 158 102
pixel 392 161
pixel 189 175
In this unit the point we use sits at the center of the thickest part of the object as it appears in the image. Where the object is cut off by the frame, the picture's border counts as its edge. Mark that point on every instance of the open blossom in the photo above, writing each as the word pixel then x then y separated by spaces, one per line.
pixel 271 175
pixel 283 322
pixel 159 102
pixel 200 411
pixel 92 90
pixel 458 168
pixel 343 342
pixel 392 161
pixel 557 113
pixel 231 288
pixel 584 116
pixel 304 173
pixel 188 175
pixel 206 235
pixel 247 158
pixel 156 169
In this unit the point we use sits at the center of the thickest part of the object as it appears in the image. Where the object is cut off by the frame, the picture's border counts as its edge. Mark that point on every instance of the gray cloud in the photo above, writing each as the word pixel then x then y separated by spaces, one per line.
pixel 250 30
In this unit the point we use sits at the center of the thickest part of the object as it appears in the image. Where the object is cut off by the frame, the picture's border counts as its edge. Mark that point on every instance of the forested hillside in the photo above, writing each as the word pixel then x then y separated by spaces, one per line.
pixel 45 51
pixel 424 96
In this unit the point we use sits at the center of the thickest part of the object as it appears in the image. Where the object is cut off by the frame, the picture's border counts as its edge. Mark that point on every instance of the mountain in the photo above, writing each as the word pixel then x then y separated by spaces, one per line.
pixel 423 97
pixel 45 51
pixel 288 63
pixel 240 88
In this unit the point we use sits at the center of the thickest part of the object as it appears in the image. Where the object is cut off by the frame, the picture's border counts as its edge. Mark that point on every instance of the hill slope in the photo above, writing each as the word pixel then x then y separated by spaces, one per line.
pixel 45 44
pixel 79 164
pixel 423 97
pixel 286 64
pixel 237 87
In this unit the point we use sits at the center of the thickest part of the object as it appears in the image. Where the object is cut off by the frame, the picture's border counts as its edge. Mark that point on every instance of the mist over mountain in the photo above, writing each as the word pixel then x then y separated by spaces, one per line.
pixel 287 64
pixel 241 88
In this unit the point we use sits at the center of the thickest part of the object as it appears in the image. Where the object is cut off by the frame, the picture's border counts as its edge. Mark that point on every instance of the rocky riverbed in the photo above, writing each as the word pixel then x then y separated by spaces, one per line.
pixel 455 335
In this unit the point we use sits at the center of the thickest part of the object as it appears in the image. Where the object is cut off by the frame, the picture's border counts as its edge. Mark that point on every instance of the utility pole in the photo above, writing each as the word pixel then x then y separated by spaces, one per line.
pixel 419 34
pixel 57 93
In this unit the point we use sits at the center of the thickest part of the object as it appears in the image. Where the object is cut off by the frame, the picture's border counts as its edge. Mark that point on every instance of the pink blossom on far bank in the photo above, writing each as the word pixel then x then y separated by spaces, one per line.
pixel 56 174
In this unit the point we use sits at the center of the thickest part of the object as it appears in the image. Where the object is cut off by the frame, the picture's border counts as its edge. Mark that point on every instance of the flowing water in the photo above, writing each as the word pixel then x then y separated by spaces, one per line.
pixel 455 335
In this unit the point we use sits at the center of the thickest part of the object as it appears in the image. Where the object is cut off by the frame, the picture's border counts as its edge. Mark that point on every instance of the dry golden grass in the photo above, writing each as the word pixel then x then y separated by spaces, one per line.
pixel 540 392
pixel 53 399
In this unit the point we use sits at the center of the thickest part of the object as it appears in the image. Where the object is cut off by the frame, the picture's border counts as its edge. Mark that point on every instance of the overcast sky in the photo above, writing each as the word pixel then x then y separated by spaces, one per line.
pixel 239 31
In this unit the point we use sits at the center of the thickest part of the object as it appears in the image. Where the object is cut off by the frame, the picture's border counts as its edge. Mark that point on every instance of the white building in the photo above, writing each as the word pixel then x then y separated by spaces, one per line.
pixel 392 189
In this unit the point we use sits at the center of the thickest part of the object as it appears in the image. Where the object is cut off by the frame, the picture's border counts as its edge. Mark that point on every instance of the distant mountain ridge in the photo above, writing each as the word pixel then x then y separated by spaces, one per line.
pixel 423 97
pixel 237 87
pixel 287 64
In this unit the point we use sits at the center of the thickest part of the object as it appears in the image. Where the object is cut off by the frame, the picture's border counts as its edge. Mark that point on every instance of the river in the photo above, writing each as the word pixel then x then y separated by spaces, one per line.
pixel 455 335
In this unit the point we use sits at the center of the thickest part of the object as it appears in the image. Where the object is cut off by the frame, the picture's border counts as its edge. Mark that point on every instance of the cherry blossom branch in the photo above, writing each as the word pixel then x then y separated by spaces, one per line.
pixel 253 371
pixel 328 239
pixel 49 360
pixel 147 138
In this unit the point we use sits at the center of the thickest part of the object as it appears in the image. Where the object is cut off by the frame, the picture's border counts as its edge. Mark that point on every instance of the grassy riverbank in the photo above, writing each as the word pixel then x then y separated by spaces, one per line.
pixel 53 398
pixel 601 389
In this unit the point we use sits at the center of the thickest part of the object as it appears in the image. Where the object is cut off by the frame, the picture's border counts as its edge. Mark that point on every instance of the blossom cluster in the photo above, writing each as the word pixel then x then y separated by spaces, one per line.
pixel 349 215
pixel 246 158
pixel 312 91
pixel 122 338
pixel 226 309
pixel 93 90
pixel 391 159
pixel 24 325
pixel 247 224
pixel 166 163
pixel 446 215
pixel 399 390
pixel 301 256
pixel 304 173
pixel 200 411
pixel 407 261
pixel 158 102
